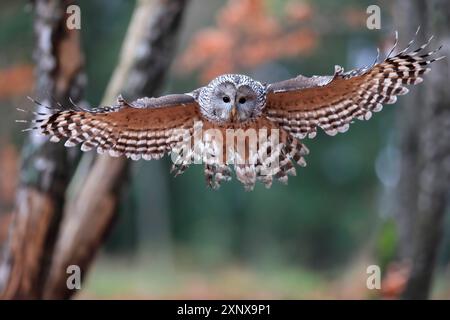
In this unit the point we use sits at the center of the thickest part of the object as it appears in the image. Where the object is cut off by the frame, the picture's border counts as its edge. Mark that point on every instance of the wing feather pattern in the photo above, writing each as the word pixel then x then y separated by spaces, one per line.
pixel 302 104
pixel 146 128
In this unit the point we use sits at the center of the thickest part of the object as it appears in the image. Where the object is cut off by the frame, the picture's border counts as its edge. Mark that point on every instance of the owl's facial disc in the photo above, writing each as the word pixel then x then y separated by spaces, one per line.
pixel 232 98
pixel 233 104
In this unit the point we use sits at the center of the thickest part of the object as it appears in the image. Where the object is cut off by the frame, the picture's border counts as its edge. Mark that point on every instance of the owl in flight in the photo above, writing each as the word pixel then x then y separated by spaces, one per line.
pixel 279 115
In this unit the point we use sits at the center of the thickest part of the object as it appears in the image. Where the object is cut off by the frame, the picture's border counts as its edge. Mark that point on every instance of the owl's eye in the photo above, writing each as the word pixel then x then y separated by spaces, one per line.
pixel 242 100
pixel 226 99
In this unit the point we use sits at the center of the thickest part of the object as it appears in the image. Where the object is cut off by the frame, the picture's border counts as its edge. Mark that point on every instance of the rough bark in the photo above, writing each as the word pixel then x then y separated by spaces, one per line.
pixel 45 166
pixel 145 58
pixel 409 123
pixel 425 178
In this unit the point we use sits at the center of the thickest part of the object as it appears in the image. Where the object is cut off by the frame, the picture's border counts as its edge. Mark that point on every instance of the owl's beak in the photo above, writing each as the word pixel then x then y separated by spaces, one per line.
pixel 233 112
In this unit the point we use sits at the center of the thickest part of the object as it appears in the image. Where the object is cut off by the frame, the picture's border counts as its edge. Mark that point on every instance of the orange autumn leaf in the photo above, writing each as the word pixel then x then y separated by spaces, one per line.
pixel 394 282
pixel 298 11
pixel 16 80
pixel 355 17
pixel 246 36
pixel 205 45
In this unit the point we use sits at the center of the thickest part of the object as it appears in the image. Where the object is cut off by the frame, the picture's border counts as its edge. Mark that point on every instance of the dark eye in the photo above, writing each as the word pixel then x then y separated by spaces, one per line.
pixel 242 100
pixel 226 99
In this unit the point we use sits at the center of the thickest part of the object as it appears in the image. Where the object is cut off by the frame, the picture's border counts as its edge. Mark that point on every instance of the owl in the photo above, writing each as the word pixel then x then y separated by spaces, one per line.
pixel 236 122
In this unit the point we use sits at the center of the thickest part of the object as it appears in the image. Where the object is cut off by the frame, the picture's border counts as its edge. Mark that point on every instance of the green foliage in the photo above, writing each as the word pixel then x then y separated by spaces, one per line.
pixel 104 24
pixel 387 243
pixel 16 33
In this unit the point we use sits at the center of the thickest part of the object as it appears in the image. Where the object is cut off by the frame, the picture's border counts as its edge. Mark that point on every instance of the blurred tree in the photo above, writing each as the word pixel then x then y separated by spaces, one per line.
pixel 95 192
pixel 9 169
pixel 45 167
pixel 42 242
pixel 425 143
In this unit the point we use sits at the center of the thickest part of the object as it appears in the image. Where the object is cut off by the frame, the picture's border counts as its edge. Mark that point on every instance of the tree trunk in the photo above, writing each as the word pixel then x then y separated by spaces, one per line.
pixel 45 167
pixel 146 55
pixel 425 144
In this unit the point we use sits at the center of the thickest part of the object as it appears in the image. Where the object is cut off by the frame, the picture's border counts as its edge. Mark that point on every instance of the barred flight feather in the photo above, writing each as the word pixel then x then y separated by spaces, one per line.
pixel 302 104
pixel 141 129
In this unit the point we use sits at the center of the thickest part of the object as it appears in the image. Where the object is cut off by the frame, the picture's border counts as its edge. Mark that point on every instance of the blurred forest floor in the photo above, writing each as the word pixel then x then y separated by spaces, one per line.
pixel 120 278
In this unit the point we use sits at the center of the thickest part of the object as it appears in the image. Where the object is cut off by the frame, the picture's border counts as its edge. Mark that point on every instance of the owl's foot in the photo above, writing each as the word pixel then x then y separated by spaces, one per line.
pixel 215 174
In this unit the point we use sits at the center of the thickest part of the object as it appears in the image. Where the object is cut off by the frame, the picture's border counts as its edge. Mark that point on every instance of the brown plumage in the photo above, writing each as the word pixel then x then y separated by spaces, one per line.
pixel 281 113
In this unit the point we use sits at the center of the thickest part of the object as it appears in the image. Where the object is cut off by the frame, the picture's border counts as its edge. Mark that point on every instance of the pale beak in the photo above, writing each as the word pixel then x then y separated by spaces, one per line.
pixel 233 112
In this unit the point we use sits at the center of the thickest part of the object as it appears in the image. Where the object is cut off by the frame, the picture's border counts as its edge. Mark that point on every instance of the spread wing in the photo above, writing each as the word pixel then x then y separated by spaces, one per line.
pixel 302 104
pixel 146 128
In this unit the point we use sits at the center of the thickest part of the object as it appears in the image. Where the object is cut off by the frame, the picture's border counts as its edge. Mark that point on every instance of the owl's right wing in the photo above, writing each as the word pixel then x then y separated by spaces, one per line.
pixel 146 128
pixel 302 104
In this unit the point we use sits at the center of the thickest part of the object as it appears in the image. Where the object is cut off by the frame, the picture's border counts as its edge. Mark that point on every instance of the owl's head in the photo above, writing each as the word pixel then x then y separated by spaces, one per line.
pixel 232 98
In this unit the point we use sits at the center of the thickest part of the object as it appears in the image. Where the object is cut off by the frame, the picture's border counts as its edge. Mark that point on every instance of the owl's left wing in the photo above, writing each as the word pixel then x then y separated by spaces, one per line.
pixel 302 104
pixel 146 128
